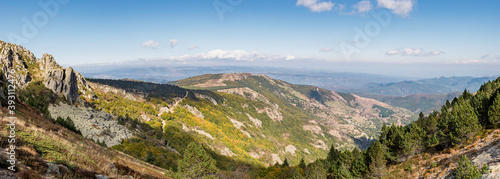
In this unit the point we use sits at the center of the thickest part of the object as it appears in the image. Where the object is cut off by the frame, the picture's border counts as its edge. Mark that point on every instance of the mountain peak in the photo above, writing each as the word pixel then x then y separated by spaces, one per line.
pixel 63 81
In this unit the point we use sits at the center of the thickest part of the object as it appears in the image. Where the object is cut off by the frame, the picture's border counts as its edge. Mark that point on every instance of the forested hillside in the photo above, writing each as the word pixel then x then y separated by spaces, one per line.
pixel 241 120
pixel 436 146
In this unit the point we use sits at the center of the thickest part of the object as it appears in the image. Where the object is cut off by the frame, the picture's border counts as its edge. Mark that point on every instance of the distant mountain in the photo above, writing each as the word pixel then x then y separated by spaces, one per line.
pixel 441 85
pixel 160 74
pixel 416 103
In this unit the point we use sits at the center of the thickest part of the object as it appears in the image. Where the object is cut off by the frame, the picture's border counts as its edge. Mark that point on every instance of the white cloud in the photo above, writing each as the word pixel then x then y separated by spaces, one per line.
pixel 399 7
pixel 363 6
pixel 413 52
pixel 473 62
pixel 237 55
pixel 326 50
pixel 316 5
pixel 393 52
pixel 498 57
pixel 150 44
pixel 436 52
pixel 194 47
pixel 173 42
pixel 485 56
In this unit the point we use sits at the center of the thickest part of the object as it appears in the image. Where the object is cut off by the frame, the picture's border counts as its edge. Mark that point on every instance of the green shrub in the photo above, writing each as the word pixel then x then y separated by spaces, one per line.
pixel 466 170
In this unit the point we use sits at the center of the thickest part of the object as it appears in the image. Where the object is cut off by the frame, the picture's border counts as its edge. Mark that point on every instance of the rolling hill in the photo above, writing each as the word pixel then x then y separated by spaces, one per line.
pixel 239 119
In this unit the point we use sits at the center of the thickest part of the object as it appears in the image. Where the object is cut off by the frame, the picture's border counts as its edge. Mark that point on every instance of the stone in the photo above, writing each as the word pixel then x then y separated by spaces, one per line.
pixel 63 81
pixel 95 125
pixel 53 170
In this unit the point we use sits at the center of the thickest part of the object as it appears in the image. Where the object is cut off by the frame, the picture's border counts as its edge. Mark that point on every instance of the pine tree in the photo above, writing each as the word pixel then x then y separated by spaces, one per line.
pixel 196 163
pixel 302 164
pixel 316 171
pixel 466 170
pixel 343 173
pixel 494 111
pixel 463 122
pixel 295 173
pixel 285 164
pixel 358 167
pixel 150 158
pixel 377 160
pixel 448 104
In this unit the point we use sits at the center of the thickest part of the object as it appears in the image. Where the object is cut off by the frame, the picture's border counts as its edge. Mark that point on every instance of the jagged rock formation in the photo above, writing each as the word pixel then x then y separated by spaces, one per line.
pixel 63 81
pixel 95 125
pixel 17 58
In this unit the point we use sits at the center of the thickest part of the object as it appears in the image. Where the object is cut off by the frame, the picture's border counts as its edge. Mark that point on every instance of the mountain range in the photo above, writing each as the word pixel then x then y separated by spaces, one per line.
pixel 240 117
pixel 245 125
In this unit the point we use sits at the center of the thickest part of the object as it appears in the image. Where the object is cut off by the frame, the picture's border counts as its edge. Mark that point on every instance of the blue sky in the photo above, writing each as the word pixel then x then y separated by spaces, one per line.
pixel 454 34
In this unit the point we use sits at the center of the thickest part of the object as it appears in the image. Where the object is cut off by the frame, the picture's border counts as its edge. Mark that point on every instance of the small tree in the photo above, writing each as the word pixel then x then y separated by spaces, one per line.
pixel 466 170
pixel 302 164
pixel 196 163
pixel 285 163
pixel 150 158
pixel 316 171
pixel 494 112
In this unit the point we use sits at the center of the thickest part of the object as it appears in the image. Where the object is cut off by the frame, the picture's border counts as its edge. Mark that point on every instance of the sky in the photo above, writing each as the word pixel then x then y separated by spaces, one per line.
pixel 390 37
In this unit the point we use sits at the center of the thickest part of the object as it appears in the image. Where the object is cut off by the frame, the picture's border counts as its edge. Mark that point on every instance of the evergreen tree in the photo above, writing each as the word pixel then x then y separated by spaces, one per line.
pixel 466 170
pixel 463 122
pixel 466 95
pixel 316 170
pixel 343 173
pixel 295 173
pixel 448 104
pixel 285 164
pixel 150 158
pixel 302 164
pixel 358 166
pixel 377 159
pixel 494 111
pixel 196 163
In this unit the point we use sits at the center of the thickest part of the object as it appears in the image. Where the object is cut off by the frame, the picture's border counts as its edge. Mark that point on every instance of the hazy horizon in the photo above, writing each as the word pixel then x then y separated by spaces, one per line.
pixel 419 39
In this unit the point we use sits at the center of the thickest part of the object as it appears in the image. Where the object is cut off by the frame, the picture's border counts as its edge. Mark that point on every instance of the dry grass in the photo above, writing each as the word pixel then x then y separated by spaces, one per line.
pixel 83 156
pixel 446 160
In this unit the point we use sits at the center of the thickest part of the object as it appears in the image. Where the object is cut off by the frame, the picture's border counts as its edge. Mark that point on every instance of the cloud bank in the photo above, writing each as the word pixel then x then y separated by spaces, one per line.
pixel 237 55
pixel 413 52
pixel 150 44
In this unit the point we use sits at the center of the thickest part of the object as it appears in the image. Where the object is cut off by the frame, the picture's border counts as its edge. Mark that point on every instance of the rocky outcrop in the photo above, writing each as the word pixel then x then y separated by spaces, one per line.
pixel 18 58
pixel 63 81
pixel 195 111
pixel 95 125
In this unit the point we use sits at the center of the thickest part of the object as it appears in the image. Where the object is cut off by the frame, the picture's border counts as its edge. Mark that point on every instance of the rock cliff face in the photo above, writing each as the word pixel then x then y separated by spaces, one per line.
pixel 63 81
pixel 17 58
pixel 96 125
pixel 60 80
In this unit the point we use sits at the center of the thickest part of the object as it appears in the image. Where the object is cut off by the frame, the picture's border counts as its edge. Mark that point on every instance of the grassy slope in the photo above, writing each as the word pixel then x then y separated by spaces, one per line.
pixel 268 139
pixel 443 163
pixel 39 140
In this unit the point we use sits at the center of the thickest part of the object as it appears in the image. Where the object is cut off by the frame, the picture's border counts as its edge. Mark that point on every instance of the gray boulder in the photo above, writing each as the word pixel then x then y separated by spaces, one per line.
pixel 95 125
